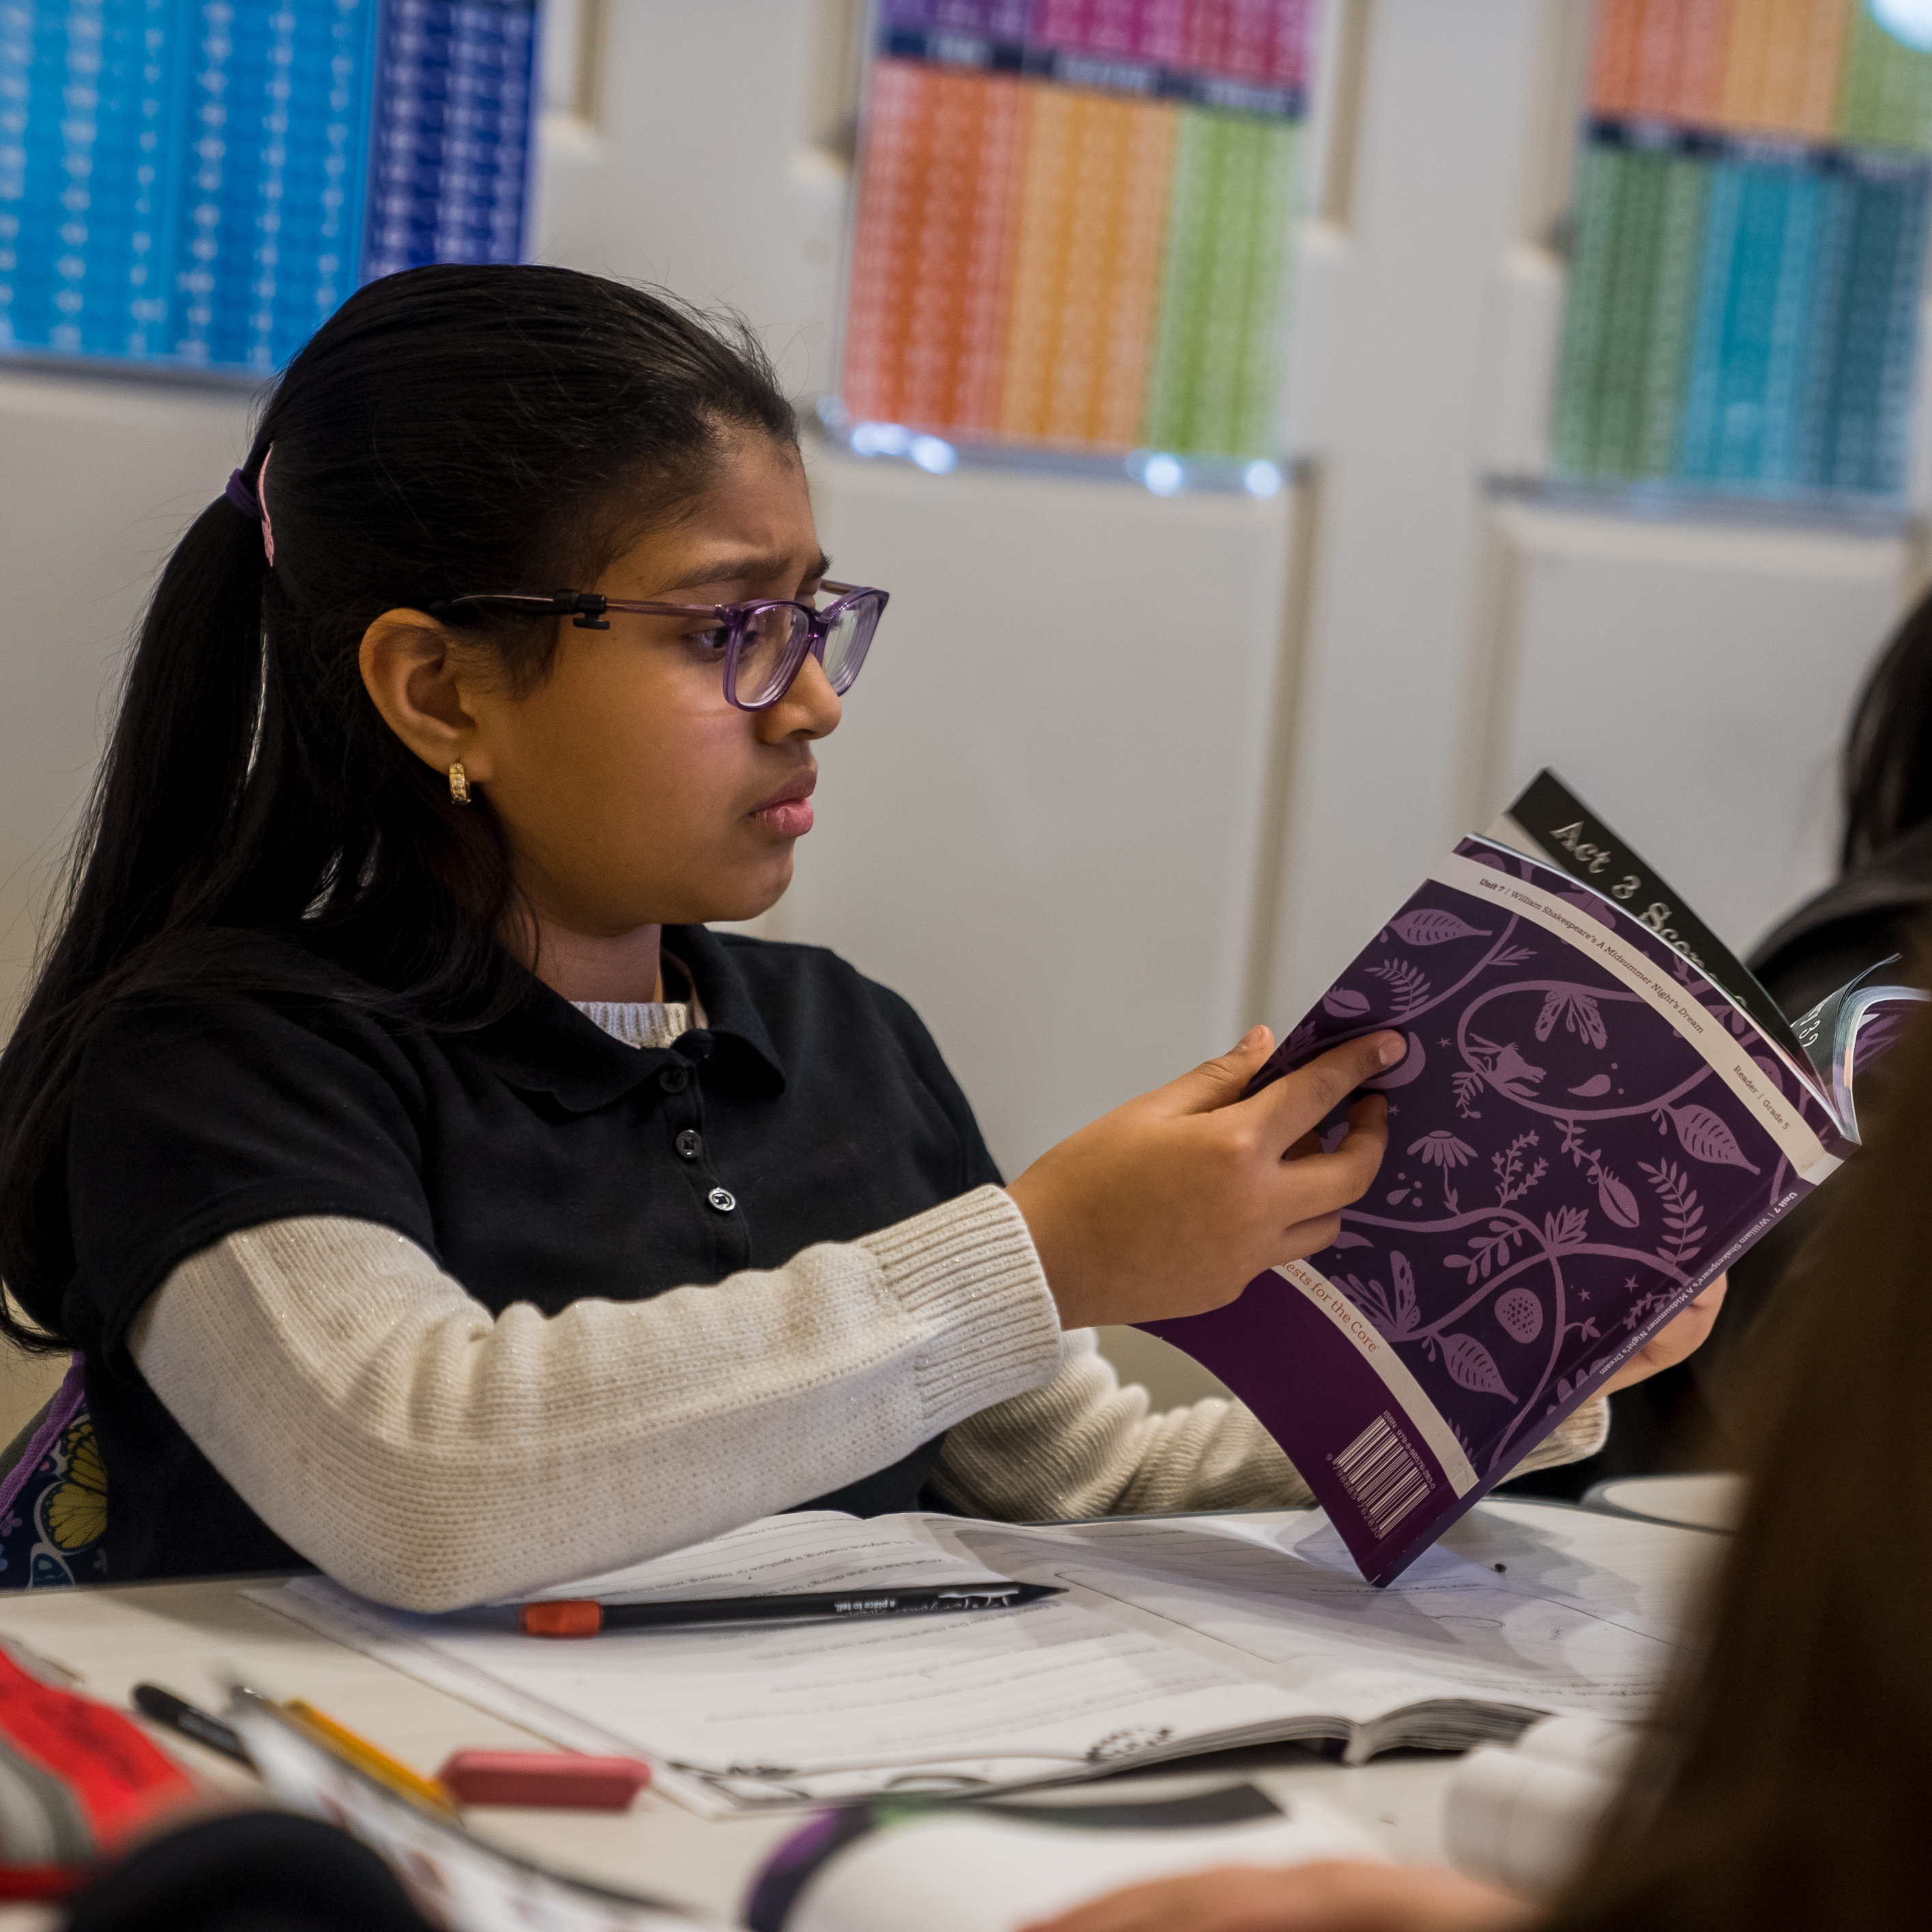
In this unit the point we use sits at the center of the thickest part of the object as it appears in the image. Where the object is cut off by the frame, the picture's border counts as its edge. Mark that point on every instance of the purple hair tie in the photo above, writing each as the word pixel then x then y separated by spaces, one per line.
pixel 254 503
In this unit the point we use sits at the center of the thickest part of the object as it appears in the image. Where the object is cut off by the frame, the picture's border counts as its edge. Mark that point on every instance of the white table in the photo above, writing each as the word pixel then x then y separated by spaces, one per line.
pixel 197 1638
pixel 1702 1501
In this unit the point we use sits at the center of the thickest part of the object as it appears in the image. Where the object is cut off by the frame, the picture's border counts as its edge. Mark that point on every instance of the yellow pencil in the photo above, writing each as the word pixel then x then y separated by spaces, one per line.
pixel 365 1757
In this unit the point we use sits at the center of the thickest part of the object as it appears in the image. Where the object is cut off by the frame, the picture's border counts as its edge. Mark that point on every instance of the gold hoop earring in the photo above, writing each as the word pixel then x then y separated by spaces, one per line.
pixel 459 785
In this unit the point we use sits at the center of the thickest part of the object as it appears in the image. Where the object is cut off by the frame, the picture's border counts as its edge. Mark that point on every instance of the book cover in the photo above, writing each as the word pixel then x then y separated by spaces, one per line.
pixel 1588 1129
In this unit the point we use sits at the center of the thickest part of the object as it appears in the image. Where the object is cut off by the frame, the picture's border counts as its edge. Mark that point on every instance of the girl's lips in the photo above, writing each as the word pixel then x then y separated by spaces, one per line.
pixel 790 818
pixel 788 810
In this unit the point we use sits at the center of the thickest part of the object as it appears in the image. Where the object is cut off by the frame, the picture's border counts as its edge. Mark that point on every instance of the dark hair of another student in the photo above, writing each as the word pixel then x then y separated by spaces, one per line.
pixel 1785 1784
pixel 449 430
pixel 1888 760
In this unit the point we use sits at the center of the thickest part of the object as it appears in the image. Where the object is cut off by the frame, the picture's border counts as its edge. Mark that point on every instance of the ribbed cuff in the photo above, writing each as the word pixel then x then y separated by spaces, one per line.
pixel 1581 1433
pixel 967 1274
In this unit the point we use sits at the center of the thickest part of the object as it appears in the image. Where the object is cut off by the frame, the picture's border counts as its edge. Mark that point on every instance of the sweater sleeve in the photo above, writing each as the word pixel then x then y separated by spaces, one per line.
pixel 430 1454
pixel 1084 1446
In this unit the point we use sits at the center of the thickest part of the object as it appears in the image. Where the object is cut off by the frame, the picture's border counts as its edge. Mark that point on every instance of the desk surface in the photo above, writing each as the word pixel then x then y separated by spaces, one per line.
pixel 197 1638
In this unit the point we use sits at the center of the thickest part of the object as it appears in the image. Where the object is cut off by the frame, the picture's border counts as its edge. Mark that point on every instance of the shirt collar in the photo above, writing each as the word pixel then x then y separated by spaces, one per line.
pixel 546 1046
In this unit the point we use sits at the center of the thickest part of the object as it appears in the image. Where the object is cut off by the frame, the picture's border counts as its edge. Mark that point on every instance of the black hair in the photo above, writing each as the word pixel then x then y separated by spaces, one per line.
pixel 448 430
pixel 1887 760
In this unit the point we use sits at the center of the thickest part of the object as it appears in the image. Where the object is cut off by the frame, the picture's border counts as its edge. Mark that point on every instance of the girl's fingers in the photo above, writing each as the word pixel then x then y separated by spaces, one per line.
pixel 1331 1895
pixel 1319 1184
pixel 1302 1100
pixel 1678 1338
pixel 1227 1900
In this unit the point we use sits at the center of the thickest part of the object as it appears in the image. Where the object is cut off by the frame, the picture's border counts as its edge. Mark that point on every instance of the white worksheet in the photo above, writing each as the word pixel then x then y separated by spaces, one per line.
pixel 1177 1635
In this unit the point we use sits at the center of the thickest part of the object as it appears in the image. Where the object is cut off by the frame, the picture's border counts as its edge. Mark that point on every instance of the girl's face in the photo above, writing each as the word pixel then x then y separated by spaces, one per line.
pixel 632 793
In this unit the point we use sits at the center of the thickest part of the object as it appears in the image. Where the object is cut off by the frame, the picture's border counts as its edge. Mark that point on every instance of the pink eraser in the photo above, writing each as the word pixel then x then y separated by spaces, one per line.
pixel 562 1780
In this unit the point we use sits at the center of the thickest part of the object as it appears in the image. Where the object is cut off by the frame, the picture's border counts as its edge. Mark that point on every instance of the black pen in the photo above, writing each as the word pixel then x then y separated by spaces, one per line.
pixel 165 1707
pixel 581 1617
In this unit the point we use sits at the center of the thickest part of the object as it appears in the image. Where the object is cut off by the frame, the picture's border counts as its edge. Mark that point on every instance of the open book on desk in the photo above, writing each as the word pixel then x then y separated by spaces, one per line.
pixel 1600 1110
pixel 1177 1635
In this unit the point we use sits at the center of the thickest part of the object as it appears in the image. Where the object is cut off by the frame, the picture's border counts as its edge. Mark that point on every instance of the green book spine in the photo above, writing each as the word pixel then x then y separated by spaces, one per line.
pixel 1884 87
pixel 1573 430
pixel 1216 384
pixel 1172 386
pixel 1629 304
pixel 1256 423
pixel 1673 325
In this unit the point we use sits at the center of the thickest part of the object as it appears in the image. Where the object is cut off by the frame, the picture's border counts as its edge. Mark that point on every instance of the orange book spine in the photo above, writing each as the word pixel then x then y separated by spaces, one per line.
pixel 1042 244
pixel 926 317
pixel 892 193
pixel 1747 63
pixel 1613 57
pixel 1801 67
pixel 1147 133
pixel 1695 91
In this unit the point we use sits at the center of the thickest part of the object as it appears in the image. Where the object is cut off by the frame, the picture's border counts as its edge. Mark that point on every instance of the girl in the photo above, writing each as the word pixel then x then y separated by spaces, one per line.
pixel 433 1197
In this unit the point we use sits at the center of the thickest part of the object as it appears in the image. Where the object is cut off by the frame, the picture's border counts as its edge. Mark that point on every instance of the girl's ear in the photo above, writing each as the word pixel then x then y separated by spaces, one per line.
pixel 415 679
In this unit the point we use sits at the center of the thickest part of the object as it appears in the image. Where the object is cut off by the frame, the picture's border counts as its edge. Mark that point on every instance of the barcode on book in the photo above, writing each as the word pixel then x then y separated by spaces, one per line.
pixel 1382 1475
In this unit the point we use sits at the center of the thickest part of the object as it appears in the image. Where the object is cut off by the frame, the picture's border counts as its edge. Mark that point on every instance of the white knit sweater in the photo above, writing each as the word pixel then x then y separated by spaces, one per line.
pixel 429 1453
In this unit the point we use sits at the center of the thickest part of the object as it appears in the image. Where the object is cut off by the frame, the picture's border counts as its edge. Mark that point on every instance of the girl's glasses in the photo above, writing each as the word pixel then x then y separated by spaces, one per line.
pixel 763 644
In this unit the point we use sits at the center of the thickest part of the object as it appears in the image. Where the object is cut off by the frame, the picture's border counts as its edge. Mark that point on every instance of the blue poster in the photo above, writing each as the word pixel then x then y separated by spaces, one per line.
pixel 199 184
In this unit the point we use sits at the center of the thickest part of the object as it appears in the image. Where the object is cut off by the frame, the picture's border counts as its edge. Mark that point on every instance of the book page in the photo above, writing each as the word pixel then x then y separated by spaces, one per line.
pixel 1583 1617
pixel 735 1719
pixel 777 1555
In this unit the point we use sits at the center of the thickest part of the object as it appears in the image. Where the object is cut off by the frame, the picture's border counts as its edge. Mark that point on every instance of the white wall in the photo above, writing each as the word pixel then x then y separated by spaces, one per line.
pixel 1040 818
pixel 97 479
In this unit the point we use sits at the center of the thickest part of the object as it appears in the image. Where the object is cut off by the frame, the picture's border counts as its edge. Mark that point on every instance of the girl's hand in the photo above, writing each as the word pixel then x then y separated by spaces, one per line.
pixel 1683 1335
pixel 1172 1204
pixel 1333 1896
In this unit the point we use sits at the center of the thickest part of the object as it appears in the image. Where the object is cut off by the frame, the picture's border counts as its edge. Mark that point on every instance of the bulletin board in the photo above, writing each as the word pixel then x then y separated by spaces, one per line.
pixel 195 185
pixel 1747 263
pixel 1074 222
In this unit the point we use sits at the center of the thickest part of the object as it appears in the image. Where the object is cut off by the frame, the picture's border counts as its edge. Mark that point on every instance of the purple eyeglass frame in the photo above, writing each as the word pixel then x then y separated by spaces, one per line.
pixel 588 610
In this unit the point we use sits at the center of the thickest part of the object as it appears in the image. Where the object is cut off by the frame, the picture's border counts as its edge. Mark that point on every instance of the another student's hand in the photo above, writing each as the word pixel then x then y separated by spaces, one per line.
pixel 1333 1896
pixel 1172 1204
pixel 1682 1335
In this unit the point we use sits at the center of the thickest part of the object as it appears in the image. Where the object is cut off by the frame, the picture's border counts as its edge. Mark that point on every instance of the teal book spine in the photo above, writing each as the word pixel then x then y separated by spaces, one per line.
pixel 1699 431
pixel 1875 351
pixel 1809 199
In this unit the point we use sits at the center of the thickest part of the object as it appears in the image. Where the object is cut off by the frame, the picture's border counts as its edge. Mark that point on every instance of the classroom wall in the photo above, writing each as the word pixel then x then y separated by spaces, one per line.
pixel 1124 774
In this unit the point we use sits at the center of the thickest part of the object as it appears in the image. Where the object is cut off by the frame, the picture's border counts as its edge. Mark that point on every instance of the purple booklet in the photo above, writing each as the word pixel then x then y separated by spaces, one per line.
pixel 1599 1111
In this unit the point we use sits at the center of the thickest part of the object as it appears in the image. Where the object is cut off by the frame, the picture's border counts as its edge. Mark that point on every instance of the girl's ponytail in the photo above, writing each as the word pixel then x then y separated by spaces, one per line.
pixel 151 842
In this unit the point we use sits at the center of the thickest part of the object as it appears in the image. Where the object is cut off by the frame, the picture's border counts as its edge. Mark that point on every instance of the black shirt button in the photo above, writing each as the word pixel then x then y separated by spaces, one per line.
pixel 689 1144
pixel 674 1079
pixel 723 1199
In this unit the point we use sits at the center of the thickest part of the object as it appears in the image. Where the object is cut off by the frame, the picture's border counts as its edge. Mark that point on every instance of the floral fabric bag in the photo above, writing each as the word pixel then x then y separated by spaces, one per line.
pixel 53 1502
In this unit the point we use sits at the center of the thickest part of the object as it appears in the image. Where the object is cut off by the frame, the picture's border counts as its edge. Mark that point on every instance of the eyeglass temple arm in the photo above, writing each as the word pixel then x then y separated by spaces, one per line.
pixel 585 608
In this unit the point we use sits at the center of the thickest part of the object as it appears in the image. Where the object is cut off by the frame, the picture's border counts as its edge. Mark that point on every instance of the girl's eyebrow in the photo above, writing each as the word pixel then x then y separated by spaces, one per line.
pixel 744 569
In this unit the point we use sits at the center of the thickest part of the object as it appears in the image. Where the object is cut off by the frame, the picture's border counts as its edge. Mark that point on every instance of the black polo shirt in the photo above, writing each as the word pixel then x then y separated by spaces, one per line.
pixel 537 1160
